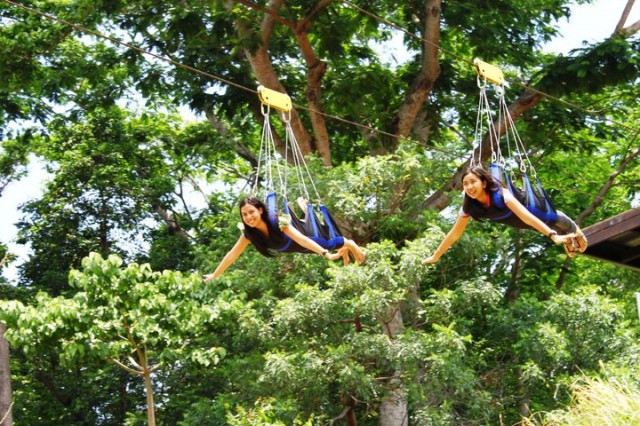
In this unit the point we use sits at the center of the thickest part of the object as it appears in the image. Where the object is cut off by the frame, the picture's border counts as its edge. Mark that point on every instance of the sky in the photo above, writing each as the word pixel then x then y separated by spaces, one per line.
pixel 588 23
pixel 592 22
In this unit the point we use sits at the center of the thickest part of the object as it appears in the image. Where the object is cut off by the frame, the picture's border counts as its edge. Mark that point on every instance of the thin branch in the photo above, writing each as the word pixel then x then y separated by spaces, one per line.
pixel 224 131
pixel 340 416
pixel 7 413
pixel 172 224
pixel 387 324
pixel 387 378
pixel 630 30
pixel 135 364
pixel 180 195
pixel 194 184
pixel 126 368
pixel 141 355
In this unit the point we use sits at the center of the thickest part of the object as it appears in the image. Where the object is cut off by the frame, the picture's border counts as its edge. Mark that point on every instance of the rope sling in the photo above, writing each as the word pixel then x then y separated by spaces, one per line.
pixel 532 195
pixel 317 223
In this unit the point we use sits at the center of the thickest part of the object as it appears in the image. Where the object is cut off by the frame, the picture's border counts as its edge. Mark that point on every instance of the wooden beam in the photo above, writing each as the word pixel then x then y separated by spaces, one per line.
pixel 616 240
pixel 613 226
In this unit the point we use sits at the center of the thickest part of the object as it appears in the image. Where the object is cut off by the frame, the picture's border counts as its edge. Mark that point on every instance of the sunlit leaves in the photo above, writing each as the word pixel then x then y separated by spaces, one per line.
pixel 117 310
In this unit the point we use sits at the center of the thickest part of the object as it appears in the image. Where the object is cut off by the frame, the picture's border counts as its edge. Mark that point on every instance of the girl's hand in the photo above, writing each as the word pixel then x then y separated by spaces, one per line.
pixel 562 239
pixel 208 278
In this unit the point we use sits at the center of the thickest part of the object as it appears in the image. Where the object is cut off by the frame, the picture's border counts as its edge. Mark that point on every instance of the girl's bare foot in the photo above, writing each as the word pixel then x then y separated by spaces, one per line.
pixel 580 241
pixel 355 251
pixel 344 252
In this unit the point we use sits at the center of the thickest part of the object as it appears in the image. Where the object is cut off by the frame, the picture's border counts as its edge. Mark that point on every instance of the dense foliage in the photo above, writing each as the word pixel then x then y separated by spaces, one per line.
pixel 110 317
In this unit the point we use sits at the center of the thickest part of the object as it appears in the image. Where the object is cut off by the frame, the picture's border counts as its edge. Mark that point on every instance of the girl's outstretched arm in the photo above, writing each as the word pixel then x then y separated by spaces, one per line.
pixel 308 243
pixel 454 234
pixel 350 247
pixel 229 258
pixel 527 217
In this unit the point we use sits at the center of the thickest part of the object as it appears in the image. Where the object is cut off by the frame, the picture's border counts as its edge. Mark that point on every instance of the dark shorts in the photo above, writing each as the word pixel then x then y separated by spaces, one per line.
pixel 564 225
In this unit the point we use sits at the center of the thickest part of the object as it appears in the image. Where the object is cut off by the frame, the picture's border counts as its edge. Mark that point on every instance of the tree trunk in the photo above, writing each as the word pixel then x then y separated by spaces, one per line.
pixel 393 409
pixel 316 70
pixel 523 396
pixel 429 73
pixel 6 417
pixel 513 290
pixel 151 409
pixel 262 67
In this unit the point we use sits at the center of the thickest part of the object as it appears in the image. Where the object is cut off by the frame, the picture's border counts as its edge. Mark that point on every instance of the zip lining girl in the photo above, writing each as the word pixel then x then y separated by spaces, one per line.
pixel 267 237
pixel 485 198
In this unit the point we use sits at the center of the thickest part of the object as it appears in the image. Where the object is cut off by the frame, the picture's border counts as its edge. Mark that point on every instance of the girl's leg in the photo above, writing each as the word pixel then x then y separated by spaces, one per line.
pixel 564 225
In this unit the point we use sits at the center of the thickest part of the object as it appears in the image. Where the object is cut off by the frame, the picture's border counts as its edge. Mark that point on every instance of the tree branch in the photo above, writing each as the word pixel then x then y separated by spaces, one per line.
pixel 239 147
pixel 608 184
pixel 316 70
pixel 625 14
pixel 171 222
pixel 268 11
pixel 141 355
pixel 322 4
pixel 630 30
pixel 135 364
pixel 340 416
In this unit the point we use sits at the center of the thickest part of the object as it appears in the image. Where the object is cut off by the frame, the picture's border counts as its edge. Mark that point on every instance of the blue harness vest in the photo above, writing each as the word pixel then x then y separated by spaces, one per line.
pixel 325 232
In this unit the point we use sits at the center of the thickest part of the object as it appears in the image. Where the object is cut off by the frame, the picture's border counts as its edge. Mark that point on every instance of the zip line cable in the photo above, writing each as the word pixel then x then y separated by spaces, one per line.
pixel 448 153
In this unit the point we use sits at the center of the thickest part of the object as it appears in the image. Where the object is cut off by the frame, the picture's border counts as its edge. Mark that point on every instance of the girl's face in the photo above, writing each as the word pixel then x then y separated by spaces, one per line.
pixel 251 215
pixel 473 186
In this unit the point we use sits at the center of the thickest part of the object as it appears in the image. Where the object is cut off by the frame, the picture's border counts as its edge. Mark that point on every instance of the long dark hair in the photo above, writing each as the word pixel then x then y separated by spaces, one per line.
pixel 492 185
pixel 257 238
